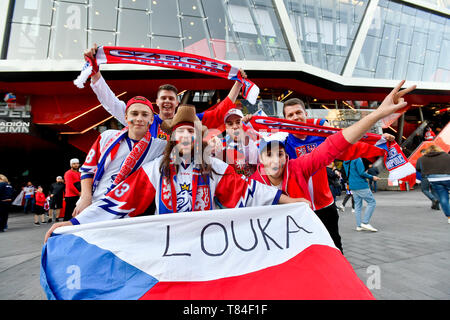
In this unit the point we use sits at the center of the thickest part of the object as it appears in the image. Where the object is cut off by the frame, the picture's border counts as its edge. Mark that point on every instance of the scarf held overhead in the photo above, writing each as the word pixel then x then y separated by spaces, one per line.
pixel 374 144
pixel 168 59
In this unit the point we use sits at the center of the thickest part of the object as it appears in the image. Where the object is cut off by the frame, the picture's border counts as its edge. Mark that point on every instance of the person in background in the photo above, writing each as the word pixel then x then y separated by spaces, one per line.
pixel 56 198
pixel 359 186
pixel 429 135
pixel 39 206
pixel 436 166
pixel 29 191
pixel 72 193
pixel 373 171
pixel 334 181
pixel 348 195
pixel 425 184
pixel 6 192
pixel 237 148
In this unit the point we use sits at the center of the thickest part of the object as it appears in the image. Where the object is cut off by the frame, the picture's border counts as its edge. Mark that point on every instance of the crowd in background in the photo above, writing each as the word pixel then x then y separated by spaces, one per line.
pixel 51 205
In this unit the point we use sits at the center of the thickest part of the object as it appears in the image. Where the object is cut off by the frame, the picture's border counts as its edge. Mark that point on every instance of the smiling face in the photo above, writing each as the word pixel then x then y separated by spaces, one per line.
pixel 233 126
pixel 167 102
pixel 274 160
pixel 184 137
pixel 139 117
pixel 295 113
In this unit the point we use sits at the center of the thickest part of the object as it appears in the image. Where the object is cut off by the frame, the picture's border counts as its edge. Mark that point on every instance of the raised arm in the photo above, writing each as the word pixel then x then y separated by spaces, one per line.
pixel 105 95
pixel 234 92
pixel 214 118
pixel 393 102
pixel 335 145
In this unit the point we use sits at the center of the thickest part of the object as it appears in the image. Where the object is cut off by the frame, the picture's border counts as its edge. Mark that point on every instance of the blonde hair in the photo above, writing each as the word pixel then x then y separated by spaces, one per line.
pixel 433 148
pixel 3 178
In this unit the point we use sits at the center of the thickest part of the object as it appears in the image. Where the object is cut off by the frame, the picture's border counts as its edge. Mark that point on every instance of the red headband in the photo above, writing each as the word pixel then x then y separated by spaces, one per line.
pixel 139 99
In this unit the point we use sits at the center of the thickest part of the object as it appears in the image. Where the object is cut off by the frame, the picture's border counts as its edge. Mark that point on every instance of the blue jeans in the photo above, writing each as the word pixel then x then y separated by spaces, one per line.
pixel 373 185
pixel 442 188
pixel 28 202
pixel 425 187
pixel 359 196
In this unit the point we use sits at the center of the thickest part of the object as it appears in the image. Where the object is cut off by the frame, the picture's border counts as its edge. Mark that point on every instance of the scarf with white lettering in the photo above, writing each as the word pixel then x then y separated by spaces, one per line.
pixel 373 144
pixel 168 59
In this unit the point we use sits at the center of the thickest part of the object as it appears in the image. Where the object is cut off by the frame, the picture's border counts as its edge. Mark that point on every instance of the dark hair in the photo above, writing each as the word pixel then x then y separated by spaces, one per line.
pixel 293 102
pixel 167 87
pixel 164 168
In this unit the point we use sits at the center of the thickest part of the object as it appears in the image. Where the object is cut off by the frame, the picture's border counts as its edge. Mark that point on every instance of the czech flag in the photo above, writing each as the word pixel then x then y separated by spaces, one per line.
pixel 278 252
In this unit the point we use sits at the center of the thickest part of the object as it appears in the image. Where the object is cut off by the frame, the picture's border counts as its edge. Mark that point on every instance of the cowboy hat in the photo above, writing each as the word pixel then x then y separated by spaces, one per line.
pixel 185 115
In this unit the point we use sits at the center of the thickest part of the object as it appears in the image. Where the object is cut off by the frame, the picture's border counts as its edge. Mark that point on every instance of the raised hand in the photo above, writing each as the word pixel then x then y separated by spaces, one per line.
pixel 243 74
pixel 90 53
pixel 394 101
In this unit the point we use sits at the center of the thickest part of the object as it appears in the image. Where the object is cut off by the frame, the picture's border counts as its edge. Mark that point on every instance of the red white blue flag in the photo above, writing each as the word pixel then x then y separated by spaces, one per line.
pixel 270 253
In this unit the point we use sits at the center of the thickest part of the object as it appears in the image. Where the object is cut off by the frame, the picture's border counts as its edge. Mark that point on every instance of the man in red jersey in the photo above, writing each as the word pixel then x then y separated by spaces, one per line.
pixel 72 193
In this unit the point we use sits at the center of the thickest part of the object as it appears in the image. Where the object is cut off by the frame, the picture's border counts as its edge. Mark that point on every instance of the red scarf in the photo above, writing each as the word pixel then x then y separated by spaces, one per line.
pixel 168 59
pixel 395 161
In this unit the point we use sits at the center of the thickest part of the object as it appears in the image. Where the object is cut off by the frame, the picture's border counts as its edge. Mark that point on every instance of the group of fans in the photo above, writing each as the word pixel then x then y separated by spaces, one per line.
pixel 177 159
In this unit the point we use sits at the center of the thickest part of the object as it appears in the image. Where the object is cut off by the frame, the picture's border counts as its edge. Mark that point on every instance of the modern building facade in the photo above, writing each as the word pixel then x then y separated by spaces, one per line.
pixel 333 54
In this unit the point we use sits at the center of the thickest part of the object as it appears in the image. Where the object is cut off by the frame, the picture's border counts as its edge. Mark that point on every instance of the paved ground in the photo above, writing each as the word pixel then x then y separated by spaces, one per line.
pixel 409 258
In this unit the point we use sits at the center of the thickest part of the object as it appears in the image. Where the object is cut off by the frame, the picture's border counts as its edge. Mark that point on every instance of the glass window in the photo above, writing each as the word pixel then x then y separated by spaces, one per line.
pixel 164 19
pixel 137 4
pixel 416 44
pixel 223 40
pixel 385 68
pixel 377 26
pixel 103 15
pixel 414 71
pixel 401 61
pixel 194 38
pixel 444 56
pixel 28 42
pixel 369 53
pixel 419 44
pixel 389 40
pixel 232 29
pixel 447 29
pixel 392 13
pixel 133 28
pixel 422 20
pixel 224 50
pixel 363 73
pixel 435 36
pixel 406 28
pixel 101 38
pixel 166 43
pixel 68 36
pixel 328 26
pixel 190 8
pixel 33 12
pixel 77 1
pixel 430 66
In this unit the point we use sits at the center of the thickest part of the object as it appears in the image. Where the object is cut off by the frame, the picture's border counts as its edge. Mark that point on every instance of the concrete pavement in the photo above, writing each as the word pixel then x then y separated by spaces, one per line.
pixel 408 258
